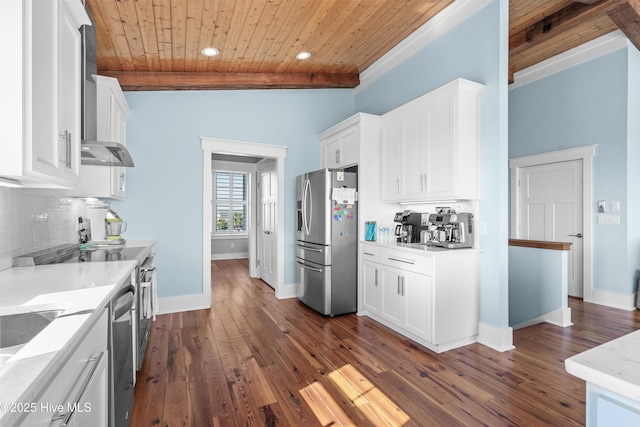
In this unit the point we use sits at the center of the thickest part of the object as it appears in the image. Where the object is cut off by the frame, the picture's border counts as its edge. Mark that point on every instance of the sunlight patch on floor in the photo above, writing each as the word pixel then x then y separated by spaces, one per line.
pixel 372 403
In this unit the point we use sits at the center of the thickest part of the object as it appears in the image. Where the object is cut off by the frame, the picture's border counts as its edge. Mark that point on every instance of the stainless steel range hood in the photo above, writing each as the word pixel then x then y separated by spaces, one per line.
pixel 94 152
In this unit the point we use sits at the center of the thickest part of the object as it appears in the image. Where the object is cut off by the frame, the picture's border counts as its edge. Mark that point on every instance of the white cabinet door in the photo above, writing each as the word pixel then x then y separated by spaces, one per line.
pixel 68 95
pixel 417 293
pixel 391 305
pixel 415 151
pixel 341 150
pixel 371 287
pixel 439 165
pixel 392 149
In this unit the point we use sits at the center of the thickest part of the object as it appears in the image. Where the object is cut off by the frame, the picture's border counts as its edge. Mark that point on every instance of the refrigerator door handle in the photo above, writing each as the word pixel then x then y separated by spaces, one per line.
pixel 317 270
pixel 307 248
pixel 309 197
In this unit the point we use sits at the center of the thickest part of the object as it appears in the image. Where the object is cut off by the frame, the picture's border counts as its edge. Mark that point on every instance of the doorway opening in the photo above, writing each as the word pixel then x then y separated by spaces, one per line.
pixel 262 156
pixel 550 166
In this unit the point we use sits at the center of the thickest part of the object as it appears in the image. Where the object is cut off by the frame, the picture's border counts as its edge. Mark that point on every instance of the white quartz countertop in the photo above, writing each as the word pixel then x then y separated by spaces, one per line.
pixel 81 290
pixel 614 366
pixel 418 247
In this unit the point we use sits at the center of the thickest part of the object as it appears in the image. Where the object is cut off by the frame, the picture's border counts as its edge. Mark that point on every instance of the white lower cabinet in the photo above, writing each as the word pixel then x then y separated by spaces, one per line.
pixel 78 393
pixel 430 297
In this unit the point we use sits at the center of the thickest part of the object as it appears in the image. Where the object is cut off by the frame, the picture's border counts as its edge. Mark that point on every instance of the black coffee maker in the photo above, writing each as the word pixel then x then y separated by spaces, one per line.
pixel 408 229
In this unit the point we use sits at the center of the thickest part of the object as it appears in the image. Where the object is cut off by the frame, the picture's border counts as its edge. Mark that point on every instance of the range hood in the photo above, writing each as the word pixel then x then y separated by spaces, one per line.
pixel 94 152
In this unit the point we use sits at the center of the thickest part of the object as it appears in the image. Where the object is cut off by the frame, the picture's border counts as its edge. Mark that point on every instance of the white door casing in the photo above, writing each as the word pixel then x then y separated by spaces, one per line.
pixel 267 226
pixel 550 209
pixel 241 148
pixel 585 154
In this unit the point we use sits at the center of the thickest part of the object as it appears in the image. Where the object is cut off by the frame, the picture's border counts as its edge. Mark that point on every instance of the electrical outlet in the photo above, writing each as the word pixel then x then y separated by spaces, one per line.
pixel 615 206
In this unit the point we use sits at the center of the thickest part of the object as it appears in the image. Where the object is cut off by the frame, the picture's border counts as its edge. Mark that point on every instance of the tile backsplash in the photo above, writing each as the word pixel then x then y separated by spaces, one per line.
pixel 32 220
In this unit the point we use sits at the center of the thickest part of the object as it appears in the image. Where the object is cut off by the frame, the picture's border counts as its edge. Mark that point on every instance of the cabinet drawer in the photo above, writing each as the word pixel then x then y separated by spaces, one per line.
pixel 406 260
pixel 370 253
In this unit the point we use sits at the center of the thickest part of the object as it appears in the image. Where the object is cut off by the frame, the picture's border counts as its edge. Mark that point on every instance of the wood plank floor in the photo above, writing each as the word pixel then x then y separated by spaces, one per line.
pixel 253 360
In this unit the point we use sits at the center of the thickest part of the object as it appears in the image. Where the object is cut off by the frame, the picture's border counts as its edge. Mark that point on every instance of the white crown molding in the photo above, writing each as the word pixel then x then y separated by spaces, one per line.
pixel 453 15
pixel 578 55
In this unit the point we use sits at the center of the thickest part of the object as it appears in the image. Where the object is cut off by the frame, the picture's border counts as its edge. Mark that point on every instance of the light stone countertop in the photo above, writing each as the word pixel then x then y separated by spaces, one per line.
pixel 421 247
pixel 74 287
pixel 614 366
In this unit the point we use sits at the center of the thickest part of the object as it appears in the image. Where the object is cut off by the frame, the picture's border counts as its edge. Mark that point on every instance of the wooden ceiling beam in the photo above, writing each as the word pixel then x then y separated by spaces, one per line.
pixel 152 81
pixel 566 18
pixel 627 17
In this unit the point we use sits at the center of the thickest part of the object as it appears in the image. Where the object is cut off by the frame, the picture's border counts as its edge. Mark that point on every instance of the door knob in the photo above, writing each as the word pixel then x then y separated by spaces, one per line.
pixel 579 235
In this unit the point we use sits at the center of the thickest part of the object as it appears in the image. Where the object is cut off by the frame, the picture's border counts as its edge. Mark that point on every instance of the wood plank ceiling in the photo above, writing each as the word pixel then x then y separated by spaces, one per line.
pixel 156 44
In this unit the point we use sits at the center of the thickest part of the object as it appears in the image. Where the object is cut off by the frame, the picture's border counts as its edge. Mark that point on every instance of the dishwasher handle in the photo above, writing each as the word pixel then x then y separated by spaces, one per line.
pixel 120 309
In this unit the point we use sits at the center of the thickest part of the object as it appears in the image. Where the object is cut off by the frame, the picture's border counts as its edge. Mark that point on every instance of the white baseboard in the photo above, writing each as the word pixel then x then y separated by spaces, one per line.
pixel 560 317
pixel 500 339
pixel 183 303
pixel 287 291
pixel 610 299
pixel 238 255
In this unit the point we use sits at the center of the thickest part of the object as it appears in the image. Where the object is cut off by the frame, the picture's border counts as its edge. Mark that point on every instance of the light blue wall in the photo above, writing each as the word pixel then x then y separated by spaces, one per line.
pixel 583 105
pixel 481 58
pixel 633 167
pixel 164 193
pixel 538 283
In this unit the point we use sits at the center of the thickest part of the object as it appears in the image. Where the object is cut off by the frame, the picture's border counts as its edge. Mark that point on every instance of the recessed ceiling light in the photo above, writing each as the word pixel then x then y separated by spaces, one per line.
pixel 210 51
pixel 303 55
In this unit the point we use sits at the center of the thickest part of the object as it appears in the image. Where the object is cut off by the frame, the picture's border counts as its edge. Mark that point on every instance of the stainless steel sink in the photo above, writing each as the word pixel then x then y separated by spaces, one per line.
pixel 17 328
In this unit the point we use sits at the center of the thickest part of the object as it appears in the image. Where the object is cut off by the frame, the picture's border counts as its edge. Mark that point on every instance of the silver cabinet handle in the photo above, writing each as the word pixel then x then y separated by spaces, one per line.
pixel 406 261
pixel 399 280
pixel 579 235
pixel 368 253
pixel 338 155
pixel 75 403
pixel 68 146
pixel 376 280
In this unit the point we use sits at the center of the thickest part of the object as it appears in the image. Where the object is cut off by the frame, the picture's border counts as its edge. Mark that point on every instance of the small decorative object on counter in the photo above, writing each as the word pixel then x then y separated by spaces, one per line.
pixel 370 231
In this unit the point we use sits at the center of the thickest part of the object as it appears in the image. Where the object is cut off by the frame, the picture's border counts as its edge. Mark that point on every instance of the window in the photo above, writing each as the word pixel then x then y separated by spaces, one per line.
pixel 230 195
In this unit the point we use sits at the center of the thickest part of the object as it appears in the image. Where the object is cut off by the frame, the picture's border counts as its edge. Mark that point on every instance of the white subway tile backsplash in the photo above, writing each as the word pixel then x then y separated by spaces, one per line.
pixel 32 220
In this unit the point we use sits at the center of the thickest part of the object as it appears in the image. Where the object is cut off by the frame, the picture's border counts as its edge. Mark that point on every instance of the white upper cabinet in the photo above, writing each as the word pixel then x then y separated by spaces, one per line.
pixel 112 108
pixel 340 145
pixel 40 93
pixel 430 146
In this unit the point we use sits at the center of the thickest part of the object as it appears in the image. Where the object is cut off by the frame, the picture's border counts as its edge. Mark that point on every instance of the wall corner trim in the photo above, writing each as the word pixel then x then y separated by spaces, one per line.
pixel 500 339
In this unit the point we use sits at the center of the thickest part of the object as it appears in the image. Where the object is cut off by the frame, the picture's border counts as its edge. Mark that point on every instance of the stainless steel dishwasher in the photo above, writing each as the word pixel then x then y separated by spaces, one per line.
pixel 121 356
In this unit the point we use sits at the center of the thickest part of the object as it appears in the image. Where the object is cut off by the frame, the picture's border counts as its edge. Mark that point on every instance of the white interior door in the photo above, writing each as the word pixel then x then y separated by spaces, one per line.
pixel 267 227
pixel 550 208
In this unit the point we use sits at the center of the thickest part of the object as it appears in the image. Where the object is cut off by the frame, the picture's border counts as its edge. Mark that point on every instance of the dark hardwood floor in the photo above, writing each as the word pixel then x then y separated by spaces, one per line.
pixel 253 360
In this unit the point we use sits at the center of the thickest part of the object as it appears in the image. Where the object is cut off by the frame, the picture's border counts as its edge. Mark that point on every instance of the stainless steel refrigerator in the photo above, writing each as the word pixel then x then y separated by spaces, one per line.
pixel 327 241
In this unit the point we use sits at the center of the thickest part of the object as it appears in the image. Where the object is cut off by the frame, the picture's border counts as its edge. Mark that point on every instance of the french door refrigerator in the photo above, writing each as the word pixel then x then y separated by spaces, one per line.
pixel 327 241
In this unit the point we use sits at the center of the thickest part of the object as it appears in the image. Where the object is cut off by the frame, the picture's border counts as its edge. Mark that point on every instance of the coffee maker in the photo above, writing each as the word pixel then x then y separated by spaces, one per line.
pixel 451 230
pixel 411 223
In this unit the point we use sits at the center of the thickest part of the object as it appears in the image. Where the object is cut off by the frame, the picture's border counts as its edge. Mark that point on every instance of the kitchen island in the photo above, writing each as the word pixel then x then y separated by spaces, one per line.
pixel 612 373
pixel 78 293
